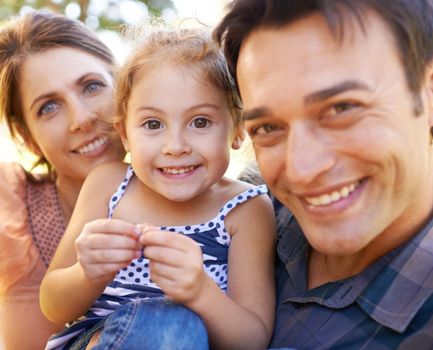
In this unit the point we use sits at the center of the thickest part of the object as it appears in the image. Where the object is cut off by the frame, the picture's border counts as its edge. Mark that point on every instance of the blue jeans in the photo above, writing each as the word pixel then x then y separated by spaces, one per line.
pixel 155 323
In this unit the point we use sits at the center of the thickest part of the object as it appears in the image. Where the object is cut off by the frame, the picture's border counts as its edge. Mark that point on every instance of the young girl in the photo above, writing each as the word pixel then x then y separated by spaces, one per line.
pixel 175 226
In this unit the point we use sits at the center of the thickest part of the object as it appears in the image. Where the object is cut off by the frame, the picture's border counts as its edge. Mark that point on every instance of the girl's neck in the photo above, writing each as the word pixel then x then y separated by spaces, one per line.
pixel 68 193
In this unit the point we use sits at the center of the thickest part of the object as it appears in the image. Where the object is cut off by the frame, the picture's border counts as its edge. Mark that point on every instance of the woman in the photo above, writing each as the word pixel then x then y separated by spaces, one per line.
pixel 55 79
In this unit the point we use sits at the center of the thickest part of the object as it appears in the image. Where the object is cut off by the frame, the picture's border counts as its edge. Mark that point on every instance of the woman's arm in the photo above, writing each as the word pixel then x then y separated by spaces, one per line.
pixel 92 249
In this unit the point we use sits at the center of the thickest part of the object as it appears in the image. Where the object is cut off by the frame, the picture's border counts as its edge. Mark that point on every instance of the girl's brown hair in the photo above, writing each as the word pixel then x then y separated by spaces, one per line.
pixel 188 47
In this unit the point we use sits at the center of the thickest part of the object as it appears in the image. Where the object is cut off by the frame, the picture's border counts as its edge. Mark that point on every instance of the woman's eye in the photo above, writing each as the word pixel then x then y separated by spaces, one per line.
pixel 200 123
pixel 153 124
pixel 48 108
pixel 93 86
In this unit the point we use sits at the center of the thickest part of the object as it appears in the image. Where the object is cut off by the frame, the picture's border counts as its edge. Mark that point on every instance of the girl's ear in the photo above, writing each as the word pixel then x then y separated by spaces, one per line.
pixel 429 86
pixel 120 128
pixel 238 138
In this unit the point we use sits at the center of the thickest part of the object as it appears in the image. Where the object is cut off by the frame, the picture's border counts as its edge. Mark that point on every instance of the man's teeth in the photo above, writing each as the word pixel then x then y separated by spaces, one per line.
pixel 335 196
pixel 93 146
pixel 176 171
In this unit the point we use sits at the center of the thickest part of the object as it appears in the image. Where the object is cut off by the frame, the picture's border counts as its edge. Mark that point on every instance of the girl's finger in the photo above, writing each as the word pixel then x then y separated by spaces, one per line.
pixel 166 255
pixel 114 255
pixel 104 241
pixel 113 226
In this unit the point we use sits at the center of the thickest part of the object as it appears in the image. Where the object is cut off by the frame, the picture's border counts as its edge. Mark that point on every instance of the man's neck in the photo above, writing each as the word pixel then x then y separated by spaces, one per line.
pixel 323 268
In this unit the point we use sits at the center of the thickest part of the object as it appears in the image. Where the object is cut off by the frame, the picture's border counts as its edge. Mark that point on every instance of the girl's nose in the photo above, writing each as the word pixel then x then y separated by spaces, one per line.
pixel 176 144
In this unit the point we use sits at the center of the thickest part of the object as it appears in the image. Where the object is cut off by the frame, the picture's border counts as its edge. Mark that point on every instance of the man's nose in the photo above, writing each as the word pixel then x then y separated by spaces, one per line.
pixel 309 154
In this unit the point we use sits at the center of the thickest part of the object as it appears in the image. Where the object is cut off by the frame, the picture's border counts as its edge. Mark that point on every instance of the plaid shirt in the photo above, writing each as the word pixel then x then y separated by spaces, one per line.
pixel 387 306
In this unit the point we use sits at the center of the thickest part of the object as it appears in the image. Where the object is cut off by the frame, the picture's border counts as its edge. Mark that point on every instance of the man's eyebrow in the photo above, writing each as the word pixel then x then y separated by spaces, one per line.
pixel 255 113
pixel 335 90
pixel 259 112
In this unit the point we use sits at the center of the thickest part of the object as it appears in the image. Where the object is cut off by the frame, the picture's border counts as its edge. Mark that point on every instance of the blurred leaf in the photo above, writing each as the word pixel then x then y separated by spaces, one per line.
pixel 108 18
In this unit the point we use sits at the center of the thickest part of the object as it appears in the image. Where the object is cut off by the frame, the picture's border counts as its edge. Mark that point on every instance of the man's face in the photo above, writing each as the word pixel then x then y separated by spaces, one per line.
pixel 335 134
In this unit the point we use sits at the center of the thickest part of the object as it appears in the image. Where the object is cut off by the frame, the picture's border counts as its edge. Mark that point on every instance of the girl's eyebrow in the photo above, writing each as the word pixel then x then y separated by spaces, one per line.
pixel 147 108
pixel 200 105
pixel 205 105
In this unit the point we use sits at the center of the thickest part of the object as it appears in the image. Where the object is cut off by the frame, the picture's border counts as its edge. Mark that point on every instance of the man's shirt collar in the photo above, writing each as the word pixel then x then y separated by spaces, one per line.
pixel 391 290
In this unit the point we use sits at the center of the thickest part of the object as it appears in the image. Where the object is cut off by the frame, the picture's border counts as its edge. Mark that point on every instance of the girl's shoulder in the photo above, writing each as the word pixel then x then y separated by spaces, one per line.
pixel 250 203
pixel 107 174
pixel 115 167
pixel 101 183
pixel 235 187
pixel 243 195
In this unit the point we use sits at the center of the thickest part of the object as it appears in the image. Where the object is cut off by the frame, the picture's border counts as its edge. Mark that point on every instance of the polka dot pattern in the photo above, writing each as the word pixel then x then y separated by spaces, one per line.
pixel 46 218
pixel 211 236
pixel 115 198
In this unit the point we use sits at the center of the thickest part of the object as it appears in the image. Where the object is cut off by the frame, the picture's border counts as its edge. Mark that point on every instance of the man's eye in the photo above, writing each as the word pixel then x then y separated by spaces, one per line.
pixel 153 124
pixel 264 129
pixel 200 123
pixel 341 108
pixel 47 108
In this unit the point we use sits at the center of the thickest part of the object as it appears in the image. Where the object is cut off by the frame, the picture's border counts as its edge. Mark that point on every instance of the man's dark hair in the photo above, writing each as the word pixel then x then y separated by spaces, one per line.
pixel 410 21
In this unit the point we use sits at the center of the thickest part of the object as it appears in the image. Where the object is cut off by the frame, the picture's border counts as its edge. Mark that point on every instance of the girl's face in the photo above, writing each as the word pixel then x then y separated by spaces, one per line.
pixel 178 130
pixel 63 90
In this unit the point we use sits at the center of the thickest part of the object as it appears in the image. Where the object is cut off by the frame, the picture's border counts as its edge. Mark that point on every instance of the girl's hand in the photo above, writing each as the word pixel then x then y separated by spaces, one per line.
pixel 176 263
pixel 106 245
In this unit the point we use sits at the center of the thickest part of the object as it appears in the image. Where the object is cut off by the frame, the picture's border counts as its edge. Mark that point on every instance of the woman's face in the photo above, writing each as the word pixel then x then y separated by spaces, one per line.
pixel 63 91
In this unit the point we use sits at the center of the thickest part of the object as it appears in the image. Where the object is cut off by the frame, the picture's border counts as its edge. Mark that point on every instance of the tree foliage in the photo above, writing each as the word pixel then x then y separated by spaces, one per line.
pixel 98 14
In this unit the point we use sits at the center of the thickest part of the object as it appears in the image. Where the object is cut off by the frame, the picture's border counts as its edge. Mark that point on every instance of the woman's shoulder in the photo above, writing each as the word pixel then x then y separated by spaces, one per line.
pixel 19 254
pixel 12 173
pixel 13 183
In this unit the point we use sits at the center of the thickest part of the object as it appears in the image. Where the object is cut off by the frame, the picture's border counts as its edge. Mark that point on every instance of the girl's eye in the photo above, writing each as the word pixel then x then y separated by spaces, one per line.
pixel 48 108
pixel 153 124
pixel 93 86
pixel 200 123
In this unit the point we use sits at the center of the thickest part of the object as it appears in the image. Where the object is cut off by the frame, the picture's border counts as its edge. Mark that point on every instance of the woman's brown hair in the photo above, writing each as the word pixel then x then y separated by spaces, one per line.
pixel 20 38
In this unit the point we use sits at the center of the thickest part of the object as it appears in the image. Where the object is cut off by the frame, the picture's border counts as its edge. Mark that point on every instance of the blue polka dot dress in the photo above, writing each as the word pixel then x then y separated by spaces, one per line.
pixel 134 281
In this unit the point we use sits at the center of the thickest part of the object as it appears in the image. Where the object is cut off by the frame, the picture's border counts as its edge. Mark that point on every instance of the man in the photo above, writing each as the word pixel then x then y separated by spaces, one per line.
pixel 338 101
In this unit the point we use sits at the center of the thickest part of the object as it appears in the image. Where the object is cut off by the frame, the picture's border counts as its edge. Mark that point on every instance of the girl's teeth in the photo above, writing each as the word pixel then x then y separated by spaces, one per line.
pixel 178 171
pixel 335 196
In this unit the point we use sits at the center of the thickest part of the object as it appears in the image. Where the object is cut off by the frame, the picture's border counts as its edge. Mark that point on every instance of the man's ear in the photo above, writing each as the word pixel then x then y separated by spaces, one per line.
pixel 120 128
pixel 238 138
